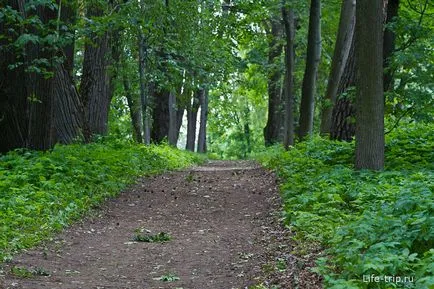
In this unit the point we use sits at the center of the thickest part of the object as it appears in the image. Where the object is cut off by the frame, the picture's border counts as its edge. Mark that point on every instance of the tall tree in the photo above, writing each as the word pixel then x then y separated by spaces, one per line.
pixel 289 24
pixel 307 106
pixel 203 99
pixel 164 120
pixel 173 119
pixel 144 95
pixel 389 42
pixel 160 114
pixel 67 107
pixel 95 82
pixel 343 116
pixel 133 99
pixel 369 95
pixel 40 105
pixel 272 128
pixel 192 110
pixel 342 49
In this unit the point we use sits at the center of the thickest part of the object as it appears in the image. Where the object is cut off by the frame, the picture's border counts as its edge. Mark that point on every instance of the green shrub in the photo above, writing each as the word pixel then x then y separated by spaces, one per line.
pixel 41 192
pixel 372 223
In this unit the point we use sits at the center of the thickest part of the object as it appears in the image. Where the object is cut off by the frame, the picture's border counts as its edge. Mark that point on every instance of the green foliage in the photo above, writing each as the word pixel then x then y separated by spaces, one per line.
pixel 41 192
pixel 29 27
pixel 379 223
pixel 157 238
pixel 168 278
pixel 237 117
pixel 22 272
pixel 412 63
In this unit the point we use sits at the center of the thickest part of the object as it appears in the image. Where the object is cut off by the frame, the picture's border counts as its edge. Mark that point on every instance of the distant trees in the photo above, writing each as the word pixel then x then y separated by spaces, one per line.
pixel 262 37
pixel 73 71
pixel 353 65
pixel 143 51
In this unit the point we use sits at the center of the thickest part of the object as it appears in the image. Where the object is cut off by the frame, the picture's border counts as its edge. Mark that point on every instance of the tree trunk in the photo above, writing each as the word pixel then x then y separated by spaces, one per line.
pixel 343 117
pixel 192 110
pixel 369 95
pixel 247 132
pixel 307 106
pixel 172 133
pixel 134 108
pixel 68 110
pixel 13 92
pixel 289 23
pixel 68 10
pixel 95 82
pixel 342 49
pixel 40 134
pixel 179 117
pixel 144 97
pixel 161 119
pixel 272 129
pixel 389 43
pixel 201 146
pixel 36 111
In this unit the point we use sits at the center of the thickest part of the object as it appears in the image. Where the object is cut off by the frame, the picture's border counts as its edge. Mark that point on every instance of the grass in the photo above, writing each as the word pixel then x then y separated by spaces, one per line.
pixel 371 223
pixel 42 192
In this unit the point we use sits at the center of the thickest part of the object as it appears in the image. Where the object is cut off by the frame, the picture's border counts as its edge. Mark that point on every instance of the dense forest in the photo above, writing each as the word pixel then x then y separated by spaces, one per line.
pixel 336 96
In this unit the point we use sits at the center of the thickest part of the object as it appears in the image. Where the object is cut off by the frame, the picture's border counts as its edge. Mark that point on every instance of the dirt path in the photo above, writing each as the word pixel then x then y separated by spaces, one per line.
pixel 219 217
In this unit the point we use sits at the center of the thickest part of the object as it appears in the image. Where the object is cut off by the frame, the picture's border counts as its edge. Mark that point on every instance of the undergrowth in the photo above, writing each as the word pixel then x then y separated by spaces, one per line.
pixel 42 192
pixel 372 223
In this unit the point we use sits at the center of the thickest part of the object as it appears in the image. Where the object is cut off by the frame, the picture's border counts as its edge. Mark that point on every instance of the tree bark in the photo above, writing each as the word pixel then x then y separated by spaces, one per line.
pixel 13 92
pixel 160 115
pixel 134 108
pixel 289 24
pixel 342 49
pixel 369 95
pixel 179 117
pixel 247 132
pixel 389 43
pixel 343 117
pixel 68 14
pixel 36 111
pixel 95 83
pixel 68 109
pixel 192 110
pixel 307 106
pixel 272 128
pixel 201 146
pixel 144 97
pixel 172 133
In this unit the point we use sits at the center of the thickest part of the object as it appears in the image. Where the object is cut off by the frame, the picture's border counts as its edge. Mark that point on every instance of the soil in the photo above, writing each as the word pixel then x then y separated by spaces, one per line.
pixel 223 220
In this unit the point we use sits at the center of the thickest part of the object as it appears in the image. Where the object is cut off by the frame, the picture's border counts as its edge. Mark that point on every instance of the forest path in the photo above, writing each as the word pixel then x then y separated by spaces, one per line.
pixel 222 217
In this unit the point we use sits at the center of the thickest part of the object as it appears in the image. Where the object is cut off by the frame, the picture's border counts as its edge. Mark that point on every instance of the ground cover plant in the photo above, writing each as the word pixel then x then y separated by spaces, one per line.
pixel 41 192
pixel 372 223
pixel 148 238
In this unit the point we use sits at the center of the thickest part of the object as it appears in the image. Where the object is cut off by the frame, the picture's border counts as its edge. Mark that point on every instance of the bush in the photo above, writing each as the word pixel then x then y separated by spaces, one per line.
pixel 379 223
pixel 42 192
